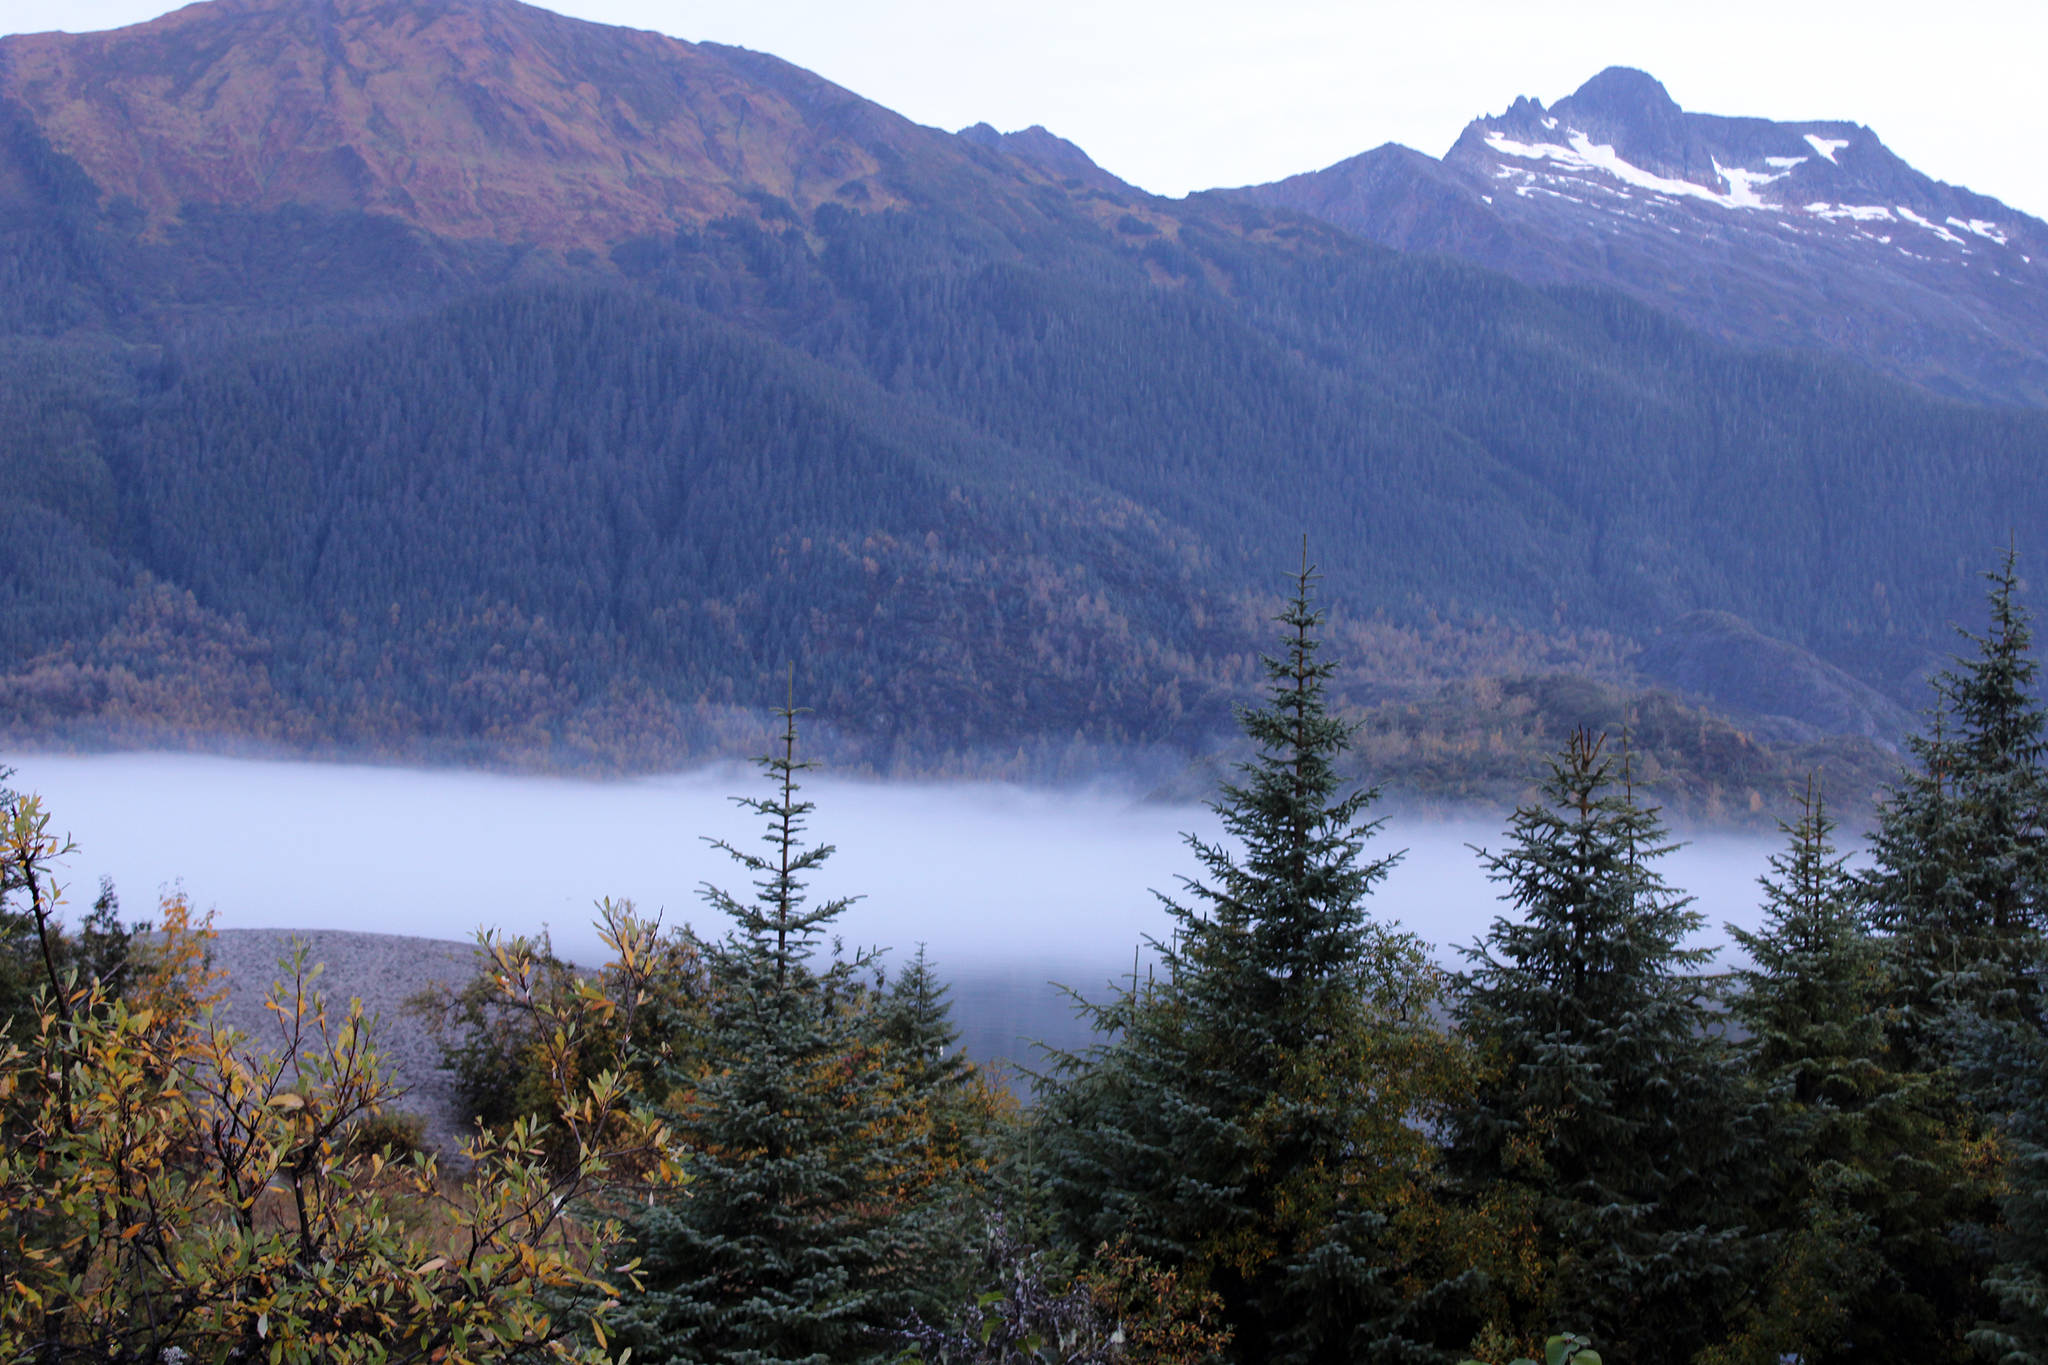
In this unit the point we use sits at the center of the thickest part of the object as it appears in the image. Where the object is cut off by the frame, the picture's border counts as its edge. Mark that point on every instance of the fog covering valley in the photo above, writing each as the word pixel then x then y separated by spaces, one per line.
pixel 1010 888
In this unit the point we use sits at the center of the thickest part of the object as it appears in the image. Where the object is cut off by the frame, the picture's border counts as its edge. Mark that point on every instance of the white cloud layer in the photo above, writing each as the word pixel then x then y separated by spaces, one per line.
pixel 988 875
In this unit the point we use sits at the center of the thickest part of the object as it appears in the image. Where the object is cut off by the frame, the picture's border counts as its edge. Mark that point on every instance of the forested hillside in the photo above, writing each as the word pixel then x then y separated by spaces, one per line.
pixel 1006 465
pixel 1297 1138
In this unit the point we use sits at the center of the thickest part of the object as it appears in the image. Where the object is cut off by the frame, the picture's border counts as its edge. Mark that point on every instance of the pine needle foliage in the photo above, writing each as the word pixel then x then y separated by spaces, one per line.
pixel 948 1125
pixel 788 1247
pixel 1865 1175
pixel 2005 1066
pixel 1960 883
pixel 1958 896
pixel 1612 1123
pixel 915 1020
pixel 1808 1000
pixel 1257 1121
pixel 951 1114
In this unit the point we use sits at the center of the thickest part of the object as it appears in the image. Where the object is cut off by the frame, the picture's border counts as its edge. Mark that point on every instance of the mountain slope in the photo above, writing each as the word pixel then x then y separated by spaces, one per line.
pixel 1786 234
pixel 470 119
pixel 1005 457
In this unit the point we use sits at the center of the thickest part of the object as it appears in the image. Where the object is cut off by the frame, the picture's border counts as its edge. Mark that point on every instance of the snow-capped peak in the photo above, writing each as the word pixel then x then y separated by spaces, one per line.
pixel 1580 153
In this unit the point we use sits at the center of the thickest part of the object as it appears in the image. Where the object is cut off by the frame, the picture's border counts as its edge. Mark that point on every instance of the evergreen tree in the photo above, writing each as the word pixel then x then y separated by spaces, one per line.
pixel 1612 1124
pixel 2005 1065
pixel 1258 1122
pixel 949 1120
pixel 1806 999
pixel 1960 885
pixel 788 1245
pixel 915 1022
pixel 1864 1178
pixel 950 1111
pixel 1959 895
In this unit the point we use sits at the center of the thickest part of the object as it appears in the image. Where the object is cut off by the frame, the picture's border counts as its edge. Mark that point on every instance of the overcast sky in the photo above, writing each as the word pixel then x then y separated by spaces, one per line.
pixel 1198 93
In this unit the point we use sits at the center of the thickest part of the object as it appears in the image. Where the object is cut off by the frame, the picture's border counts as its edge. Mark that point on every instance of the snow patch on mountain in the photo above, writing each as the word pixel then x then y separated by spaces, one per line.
pixel 1858 213
pixel 1742 185
pixel 1989 231
pixel 1610 186
pixel 1928 223
pixel 1584 154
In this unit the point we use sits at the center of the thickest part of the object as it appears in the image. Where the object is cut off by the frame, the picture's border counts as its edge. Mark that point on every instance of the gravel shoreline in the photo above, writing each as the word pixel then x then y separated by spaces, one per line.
pixel 384 971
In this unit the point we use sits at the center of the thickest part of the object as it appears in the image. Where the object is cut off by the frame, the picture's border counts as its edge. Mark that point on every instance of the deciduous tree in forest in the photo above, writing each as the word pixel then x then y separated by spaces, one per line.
pixel 502 1050
pixel 99 947
pixel 1611 1126
pixel 1260 1120
pixel 171 1191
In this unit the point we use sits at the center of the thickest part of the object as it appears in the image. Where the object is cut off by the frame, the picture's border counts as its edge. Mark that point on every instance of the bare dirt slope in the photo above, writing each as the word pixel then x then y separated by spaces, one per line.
pixel 383 971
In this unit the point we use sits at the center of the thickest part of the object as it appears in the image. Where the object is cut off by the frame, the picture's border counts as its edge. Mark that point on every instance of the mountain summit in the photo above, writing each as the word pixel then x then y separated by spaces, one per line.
pixel 474 120
pixel 1811 235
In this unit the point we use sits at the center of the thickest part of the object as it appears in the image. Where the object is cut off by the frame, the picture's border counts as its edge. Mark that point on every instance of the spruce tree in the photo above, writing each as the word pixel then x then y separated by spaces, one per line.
pixel 1807 998
pixel 1612 1123
pixel 950 1112
pixel 1864 1178
pixel 915 1022
pixel 787 1246
pixel 2005 1066
pixel 948 1123
pixel 1960 883
pixel 1257 1121
pixel 1959 898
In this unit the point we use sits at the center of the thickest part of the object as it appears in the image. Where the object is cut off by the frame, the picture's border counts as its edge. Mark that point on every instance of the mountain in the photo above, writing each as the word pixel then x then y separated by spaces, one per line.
pixel 264 163
pixel 1768 682
pixel 1809 235
pixel 470 120
pixel 591 398
pixel 1074 167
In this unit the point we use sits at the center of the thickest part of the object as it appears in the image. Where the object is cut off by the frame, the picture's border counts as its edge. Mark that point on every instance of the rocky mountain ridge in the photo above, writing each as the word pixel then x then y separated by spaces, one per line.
pixel 479 120
pixel 1805 234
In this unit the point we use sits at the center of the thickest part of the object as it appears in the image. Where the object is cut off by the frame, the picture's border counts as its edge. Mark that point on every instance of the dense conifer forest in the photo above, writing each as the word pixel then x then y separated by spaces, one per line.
pixel 1003 483
pixel 1297 1137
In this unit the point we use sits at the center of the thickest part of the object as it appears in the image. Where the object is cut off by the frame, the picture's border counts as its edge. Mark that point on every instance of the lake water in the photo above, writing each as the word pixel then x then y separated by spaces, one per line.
pixel 1009 888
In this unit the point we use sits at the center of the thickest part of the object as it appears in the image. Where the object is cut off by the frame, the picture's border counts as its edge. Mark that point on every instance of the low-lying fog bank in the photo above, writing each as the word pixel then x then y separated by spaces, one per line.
pixel 1008 887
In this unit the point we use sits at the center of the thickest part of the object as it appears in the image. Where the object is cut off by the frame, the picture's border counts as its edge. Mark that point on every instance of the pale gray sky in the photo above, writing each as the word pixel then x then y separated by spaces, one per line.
pixel 1199 93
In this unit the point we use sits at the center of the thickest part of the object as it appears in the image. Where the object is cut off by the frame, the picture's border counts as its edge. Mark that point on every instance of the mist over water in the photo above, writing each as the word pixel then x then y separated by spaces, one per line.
pixel 1008 887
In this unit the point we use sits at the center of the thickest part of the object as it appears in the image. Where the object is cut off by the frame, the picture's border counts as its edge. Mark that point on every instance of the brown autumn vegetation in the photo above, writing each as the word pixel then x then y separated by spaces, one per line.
pixel 173 1190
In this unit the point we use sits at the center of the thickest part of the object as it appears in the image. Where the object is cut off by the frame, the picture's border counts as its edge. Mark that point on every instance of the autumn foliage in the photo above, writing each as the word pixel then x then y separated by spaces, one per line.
pixel 174 1189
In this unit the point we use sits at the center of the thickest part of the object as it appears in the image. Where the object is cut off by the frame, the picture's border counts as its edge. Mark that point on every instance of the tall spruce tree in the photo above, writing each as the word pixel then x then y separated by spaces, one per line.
pixel 2004 1063
pixel 1863 1177
pixel 947 1128
pixel 1258 1122
pixel 1958 895
pixel 1960 884
pixel 1612 1126
pixel 790 1244
pixel 951 1113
